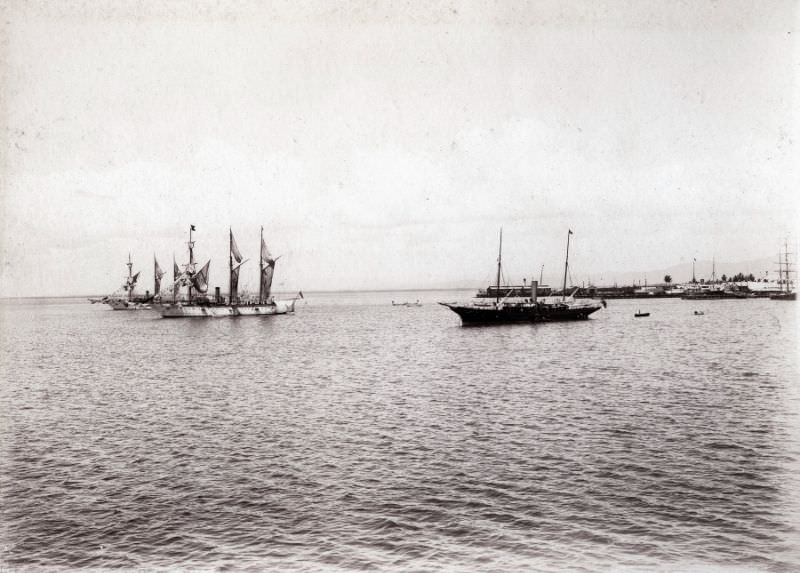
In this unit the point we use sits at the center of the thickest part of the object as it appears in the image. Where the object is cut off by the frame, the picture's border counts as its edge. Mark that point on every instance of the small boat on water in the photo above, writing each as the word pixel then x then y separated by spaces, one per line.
pixel 699 313
pixel 198 304
pixel 641 314
pixel 531 309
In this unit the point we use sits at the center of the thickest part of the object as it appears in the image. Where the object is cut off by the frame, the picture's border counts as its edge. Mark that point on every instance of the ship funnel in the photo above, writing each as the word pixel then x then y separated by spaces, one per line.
pixel 534 288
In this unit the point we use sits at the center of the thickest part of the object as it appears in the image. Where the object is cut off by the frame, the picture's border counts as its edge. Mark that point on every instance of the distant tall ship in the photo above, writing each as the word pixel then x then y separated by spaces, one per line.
pixel 784 281
pixel 532 309
pixel 129 300
pixel 198 304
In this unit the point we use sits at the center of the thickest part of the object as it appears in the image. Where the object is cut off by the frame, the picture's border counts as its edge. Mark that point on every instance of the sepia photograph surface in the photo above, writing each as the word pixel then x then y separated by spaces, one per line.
pixel 399 286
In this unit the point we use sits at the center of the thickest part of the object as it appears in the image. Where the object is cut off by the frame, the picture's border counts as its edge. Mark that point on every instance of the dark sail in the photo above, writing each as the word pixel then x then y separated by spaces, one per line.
pixel 158 274
pixel 200 279
pixel 132 281
pixel 267 271
pixel 176 282
pixel 234 294
pixel 235 255
pixel 266 279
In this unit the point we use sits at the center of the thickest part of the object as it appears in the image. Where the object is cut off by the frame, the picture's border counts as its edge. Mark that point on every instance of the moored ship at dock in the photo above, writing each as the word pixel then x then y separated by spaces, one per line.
pixel 785 271
pixel 715 290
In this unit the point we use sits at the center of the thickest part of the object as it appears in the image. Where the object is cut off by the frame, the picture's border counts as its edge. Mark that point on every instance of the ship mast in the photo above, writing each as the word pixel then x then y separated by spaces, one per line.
pixel 130 277
pixel 191 260
pixel 230 265
pixel 566 266
pixel 786 262
pixel 261 268
pixel 499 265
pixel 714 269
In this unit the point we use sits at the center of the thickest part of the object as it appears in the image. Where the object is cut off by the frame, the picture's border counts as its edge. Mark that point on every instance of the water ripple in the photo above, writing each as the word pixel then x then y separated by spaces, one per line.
pixel 357 436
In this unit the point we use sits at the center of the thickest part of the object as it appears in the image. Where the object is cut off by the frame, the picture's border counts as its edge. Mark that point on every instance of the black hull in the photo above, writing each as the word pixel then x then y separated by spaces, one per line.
pixel 471 315
pixel 784 296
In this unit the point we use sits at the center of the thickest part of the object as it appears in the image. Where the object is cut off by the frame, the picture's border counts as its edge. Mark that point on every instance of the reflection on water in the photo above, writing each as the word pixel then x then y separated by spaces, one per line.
pixel 356 435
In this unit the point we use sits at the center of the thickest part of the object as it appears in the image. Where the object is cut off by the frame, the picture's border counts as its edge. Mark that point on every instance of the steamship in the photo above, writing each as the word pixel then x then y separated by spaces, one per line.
pixel 531 309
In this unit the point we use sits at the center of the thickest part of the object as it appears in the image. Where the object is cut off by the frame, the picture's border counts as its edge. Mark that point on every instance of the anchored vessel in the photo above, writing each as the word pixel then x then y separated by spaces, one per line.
pixel 784 272
pixel 131 301
pixel 713 290
pixel 533 309
pixel 198 304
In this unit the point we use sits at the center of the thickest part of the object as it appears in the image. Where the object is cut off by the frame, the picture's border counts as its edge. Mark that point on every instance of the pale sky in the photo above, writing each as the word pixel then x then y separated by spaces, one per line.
pixel 383 145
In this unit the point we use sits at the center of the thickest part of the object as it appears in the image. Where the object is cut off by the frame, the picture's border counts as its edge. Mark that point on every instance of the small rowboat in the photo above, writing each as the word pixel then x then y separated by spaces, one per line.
pixel 640 313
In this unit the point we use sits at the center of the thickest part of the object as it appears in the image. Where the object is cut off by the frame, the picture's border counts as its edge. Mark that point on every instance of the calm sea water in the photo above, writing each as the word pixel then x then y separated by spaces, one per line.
pixel 358 436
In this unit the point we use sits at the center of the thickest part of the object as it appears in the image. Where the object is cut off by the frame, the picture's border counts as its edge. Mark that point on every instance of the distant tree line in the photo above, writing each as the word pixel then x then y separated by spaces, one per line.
pixel 738 278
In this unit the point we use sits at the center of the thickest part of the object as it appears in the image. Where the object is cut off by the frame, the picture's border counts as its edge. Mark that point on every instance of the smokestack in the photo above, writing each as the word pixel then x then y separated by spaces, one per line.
pixel 534 288
pixel 216 294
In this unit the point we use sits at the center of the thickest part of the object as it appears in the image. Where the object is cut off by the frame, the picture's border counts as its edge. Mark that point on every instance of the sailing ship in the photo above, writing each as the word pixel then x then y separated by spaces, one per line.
pixel 129 300
pixel 199 304
pixel 532 309
pixel 784 274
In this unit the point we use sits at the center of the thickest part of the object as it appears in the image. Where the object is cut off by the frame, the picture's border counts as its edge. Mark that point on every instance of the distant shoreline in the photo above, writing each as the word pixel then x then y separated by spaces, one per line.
pixel 282 293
